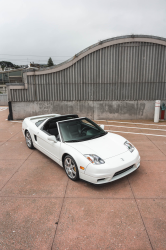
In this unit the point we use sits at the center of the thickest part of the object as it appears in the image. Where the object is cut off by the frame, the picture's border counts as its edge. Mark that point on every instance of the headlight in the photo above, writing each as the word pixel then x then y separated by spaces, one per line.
pixel 129 146
pixel 95 159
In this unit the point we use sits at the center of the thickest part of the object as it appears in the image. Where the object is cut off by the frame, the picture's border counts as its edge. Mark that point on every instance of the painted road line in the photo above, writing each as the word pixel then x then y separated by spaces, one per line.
pixel 134 133
pixel 16 121
pixel 131 123
pixel 138 123
pixel 101 120
pixel 135 127
pixel 3 108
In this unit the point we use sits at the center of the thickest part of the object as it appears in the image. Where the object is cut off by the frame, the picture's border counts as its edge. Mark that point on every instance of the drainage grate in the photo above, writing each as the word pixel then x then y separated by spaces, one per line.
pixel 122 171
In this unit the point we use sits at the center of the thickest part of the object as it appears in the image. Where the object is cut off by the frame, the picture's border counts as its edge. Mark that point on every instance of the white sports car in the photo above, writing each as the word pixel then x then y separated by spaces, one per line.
pixel 81 147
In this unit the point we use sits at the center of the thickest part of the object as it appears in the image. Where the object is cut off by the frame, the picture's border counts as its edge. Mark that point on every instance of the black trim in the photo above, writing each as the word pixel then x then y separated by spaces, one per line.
pixel 10 116
pixel 101 179
pixel 123 170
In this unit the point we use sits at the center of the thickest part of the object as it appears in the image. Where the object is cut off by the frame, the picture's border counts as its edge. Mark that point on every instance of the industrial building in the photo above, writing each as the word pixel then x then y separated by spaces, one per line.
pixel 118 78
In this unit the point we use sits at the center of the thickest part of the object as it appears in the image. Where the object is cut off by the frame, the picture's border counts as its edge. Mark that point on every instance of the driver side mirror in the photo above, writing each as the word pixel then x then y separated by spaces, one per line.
pixel 52 138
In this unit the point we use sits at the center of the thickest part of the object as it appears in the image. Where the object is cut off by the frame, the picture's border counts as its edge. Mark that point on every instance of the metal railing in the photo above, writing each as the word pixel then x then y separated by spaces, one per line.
pixel 3 89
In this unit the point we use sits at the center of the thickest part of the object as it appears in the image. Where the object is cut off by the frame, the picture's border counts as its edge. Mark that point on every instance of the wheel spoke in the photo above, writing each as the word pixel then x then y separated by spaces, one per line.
pixel 69 162
pixel 70 168
pixel 73 172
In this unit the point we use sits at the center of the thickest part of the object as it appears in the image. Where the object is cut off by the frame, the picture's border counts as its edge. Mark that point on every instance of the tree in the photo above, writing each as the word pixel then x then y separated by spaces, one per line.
pixel 50 62
pixel 4 64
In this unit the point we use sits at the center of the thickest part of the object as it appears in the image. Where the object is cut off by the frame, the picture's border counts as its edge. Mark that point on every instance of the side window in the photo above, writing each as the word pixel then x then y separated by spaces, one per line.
pixel 52 129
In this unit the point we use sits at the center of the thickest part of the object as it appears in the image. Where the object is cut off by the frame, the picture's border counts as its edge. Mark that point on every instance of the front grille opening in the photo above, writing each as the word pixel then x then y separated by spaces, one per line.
pixel 123 170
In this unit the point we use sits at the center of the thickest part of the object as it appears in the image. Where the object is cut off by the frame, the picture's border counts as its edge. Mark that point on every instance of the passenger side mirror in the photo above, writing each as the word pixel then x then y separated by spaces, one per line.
pixel 102 126
pixel 52 138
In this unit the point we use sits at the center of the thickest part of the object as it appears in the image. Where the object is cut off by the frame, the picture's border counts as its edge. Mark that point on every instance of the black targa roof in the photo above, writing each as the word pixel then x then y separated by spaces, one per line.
pixel 62 118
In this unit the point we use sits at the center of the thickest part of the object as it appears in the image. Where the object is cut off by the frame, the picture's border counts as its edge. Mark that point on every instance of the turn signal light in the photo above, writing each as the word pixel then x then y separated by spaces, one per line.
pixel 82 167
pixel 90 159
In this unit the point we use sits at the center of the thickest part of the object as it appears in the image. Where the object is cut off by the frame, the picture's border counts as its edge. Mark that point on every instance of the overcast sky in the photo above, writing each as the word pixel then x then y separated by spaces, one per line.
pixel 33 30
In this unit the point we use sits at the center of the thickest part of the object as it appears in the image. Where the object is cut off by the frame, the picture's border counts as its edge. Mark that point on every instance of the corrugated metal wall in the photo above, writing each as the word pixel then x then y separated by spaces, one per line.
pixel 126 71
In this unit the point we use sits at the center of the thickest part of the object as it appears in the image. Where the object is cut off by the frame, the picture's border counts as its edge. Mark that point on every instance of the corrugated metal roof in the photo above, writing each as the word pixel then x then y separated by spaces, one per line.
pixel 102 42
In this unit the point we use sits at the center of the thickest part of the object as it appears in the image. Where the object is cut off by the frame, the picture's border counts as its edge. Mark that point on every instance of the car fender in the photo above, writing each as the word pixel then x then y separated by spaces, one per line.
pixel 80 160
pixel 27 125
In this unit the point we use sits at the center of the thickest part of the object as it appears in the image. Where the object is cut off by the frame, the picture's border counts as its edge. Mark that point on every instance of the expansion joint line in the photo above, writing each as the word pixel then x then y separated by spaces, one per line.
pixel 137 203
pixel 156 146
pixel 15 171
pixel 140 213
pixel 10 138
pixel 59 214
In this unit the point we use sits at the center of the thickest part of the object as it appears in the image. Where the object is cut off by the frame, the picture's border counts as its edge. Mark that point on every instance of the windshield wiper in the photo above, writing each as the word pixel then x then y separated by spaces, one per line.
pixel 96 136
pixel 72 141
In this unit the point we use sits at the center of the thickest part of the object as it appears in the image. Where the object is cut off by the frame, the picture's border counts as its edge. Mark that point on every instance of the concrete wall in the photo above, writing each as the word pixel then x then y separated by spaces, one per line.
pixel 94 110
pixel 3 100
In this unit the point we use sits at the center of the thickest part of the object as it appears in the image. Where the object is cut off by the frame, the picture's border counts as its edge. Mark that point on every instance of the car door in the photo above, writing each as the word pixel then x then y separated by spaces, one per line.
pixel 49 148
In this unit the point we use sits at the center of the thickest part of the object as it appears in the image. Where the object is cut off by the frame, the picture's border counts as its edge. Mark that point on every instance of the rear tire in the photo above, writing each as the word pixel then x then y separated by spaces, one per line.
pixel 71 168
pixel 29 140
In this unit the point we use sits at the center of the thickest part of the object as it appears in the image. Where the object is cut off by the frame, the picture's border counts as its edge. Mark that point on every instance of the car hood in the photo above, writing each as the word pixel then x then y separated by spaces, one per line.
pixel 105 147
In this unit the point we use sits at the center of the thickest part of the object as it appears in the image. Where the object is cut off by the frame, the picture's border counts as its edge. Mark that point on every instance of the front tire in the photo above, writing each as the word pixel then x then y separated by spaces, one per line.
pixel 29 140
pixel 71 168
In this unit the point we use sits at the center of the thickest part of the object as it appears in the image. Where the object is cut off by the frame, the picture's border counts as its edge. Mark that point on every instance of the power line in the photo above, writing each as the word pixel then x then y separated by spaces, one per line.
pixel 13 59
pixel 30 55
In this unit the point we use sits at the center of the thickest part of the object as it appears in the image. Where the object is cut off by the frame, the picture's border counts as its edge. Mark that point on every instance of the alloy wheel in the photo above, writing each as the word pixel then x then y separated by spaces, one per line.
pixel 28 140
pixel 70 168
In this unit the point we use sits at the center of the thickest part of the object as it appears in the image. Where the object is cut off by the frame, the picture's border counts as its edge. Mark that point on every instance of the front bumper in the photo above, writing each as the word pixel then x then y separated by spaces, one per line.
pixel 99 174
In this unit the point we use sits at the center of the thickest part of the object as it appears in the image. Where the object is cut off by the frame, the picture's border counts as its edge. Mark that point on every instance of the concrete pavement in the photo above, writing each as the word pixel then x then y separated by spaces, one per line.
pixel 42 209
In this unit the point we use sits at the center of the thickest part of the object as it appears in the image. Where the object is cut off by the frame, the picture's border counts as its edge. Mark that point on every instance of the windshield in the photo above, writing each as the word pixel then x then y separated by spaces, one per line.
pixel 80 130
